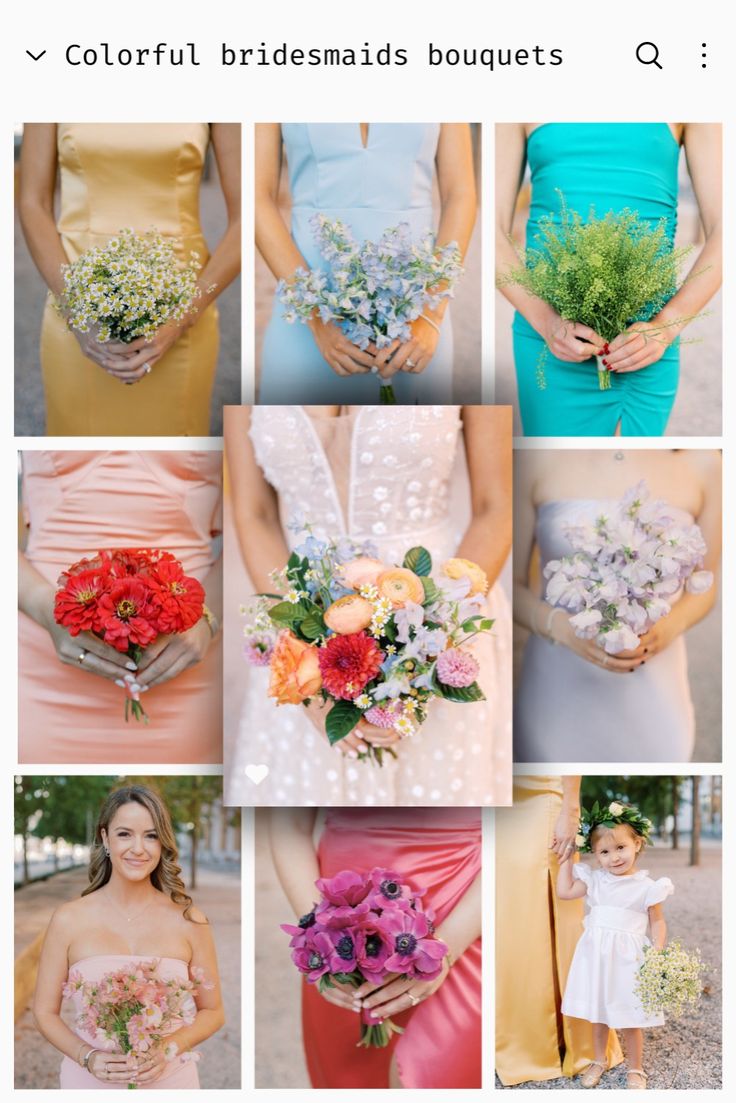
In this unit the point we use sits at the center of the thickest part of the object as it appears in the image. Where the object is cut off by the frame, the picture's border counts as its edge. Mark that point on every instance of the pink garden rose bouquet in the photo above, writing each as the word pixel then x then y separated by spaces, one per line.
pixel 366 927
pixel 371 639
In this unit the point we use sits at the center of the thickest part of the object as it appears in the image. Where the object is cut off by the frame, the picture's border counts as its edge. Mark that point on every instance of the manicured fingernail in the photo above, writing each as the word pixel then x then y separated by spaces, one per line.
pixel 129 678
pixel 120 682
pixel 131 665
pixel 352 754
pixel 143 689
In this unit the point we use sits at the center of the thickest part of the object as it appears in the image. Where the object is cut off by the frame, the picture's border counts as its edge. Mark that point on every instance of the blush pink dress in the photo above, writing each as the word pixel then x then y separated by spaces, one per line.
pixel 439 850
pixel 76 503
pixel 176 1074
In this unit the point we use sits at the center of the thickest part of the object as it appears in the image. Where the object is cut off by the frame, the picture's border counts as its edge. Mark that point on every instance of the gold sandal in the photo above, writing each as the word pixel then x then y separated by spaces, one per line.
pixel 640 1078
pixel 591 1075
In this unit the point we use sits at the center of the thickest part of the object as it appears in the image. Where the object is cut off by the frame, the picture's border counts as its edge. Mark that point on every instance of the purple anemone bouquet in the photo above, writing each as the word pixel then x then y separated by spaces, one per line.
pixel 627 568
pixel 366 927
pixel 373 291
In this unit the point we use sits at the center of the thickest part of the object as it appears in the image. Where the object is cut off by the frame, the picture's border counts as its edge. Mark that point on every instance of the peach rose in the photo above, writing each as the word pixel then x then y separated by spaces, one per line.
pixel 465 568
pixel 362 571
pixel 349 614
pixel 295 673
pixel 400 585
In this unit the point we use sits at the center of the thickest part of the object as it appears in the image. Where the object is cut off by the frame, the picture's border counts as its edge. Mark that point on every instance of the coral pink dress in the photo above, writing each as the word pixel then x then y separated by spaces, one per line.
pixel 176 1074
pixel 76 503
pixel 439 850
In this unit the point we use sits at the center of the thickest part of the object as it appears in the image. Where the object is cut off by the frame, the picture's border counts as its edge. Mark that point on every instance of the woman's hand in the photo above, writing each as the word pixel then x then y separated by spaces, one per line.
pixel 341 995
pixel 623 663
pixel 413 355
pixel 100 352
pixel 342 355
pixel 397 993
pixel 564 832
pixel 150 1067
pixel 355 742
pixel 87 652
pixel 570 341
pixel 169 656
pixel 141 355
pixel 112 1068
pixel 642 344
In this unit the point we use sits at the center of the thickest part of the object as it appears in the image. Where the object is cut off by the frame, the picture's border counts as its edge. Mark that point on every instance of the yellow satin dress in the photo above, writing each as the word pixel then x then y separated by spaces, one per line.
pixel 143 176
pixel 536 935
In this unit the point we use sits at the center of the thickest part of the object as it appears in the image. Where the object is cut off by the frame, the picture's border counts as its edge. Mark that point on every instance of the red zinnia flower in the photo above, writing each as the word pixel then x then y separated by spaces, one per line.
pixel 179 597
pixel 76 606
pixel 349 663
pixel 127 615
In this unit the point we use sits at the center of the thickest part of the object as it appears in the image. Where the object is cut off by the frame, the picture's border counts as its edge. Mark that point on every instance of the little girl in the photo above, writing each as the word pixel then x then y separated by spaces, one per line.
pixel 623 901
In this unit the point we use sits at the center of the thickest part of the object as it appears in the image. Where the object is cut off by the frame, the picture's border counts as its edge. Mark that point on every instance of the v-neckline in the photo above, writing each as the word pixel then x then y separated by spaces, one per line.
pixel 364 144
pixel 345 515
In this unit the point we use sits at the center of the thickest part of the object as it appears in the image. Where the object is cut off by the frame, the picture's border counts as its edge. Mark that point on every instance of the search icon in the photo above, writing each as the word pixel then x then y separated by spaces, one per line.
pixel 648 54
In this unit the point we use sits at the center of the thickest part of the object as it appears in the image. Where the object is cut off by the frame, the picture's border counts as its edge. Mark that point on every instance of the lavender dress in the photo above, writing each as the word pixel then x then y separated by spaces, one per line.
pixel 570 710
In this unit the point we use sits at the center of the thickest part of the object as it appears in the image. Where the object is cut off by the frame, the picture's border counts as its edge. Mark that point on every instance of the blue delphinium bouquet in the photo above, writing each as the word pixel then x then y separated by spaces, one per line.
pixel 374 291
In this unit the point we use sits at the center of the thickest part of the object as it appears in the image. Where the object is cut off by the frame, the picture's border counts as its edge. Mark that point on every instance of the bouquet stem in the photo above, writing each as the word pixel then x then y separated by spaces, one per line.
pixel 139 713
pixel 604 376
pixel 378 1035
pixel 388 395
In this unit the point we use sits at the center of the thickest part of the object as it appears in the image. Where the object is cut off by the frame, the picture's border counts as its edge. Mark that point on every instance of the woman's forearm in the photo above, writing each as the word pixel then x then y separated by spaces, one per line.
pixel 35 594
pixel 463 925
pixel 213 590
pixel 571 793
pixel 274 242
pixel 263 548
pixel 487 542
pixel 294 855
pixel 55 1031
pixel 699 288
pixel 207 1022
pixel 220 270
pixel 456 225
pixel 536 312
pixel 44 242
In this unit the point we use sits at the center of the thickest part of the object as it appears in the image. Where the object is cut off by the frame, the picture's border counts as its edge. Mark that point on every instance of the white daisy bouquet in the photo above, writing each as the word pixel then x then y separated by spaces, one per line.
pixel 669 979
pixel 626 569
pixel 129 287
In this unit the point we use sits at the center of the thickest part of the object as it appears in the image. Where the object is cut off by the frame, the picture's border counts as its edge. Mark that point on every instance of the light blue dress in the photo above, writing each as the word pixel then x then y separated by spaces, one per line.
pixel 608 166
pixel 371 189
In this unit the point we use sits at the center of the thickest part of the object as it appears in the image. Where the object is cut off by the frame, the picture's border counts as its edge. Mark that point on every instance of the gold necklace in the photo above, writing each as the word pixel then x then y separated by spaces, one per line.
pixel 129 918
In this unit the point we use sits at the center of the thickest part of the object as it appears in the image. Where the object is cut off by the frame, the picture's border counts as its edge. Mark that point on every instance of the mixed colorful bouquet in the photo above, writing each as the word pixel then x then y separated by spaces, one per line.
pixel 129 287
pixel 626 569
pixel 373 640
pixel 128 597
pixel 133 1009
pixel 669 979
pixel 366 927
pixel 374 291
pixel 606 273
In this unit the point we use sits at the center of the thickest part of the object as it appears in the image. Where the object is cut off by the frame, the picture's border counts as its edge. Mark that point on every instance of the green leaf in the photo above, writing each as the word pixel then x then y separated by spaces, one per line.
pixel 288 613
pixel 294 561
pixel 341 719
pixel 486 625
pixel 462 694
pixel 313 626
pixel 419 561
pixel 431 592
pixel 324 982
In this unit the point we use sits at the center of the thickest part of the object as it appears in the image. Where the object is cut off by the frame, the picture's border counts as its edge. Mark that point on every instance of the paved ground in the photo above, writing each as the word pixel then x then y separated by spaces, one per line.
pixel 685 1053
pixel 218 895
pixel 30 296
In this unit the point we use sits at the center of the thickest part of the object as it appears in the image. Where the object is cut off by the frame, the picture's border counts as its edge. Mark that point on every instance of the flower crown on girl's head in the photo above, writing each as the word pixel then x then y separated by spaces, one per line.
pixel 610 815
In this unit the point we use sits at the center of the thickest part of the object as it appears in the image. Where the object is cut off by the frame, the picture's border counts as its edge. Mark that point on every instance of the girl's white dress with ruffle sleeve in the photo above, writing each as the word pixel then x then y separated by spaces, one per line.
pixel 600 984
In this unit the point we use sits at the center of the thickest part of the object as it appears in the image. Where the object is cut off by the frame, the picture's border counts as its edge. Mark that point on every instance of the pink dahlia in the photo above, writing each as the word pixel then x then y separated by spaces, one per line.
pixel 384 716
pixel 348 664
pixel 457 668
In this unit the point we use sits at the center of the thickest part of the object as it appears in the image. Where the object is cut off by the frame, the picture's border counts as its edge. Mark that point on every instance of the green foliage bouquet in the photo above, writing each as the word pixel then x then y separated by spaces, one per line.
pixel 669 979
pixel 606 273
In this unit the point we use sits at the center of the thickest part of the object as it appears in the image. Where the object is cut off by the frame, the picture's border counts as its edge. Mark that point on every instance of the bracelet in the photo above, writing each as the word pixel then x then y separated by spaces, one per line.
pixel 88 1054
pixel 548 628
pixel 212 622
pixel 430 321
pixel 79 1052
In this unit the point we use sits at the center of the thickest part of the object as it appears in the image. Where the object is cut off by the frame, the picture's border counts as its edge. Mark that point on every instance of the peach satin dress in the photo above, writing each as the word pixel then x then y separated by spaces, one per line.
pixel 145 176
pixel 176 1074
pixel 76 503
pixel 439 850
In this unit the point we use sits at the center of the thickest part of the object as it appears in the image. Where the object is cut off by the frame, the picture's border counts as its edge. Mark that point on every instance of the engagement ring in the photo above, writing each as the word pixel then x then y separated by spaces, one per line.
pixel 82 657
pixel 414 999
pixel 410 363
pixel 147 368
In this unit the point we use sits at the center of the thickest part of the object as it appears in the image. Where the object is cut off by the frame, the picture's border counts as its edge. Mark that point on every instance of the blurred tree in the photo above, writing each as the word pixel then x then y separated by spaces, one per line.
pixel 58 808
pixel 696 822
pixel 30 796
pixel 655 796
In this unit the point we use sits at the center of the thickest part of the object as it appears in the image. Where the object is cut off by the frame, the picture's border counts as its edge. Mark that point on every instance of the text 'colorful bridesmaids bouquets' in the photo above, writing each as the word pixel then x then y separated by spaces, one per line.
pixel 373 291
pixel 133 1009
pixel 606 273
pixel 369 639
pixel 367 927
pixel 129 287
pixel 626 570
pixel 128 598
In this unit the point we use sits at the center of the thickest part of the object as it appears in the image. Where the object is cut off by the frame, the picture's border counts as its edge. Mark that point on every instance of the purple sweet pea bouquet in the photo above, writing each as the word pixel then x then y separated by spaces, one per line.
pixel 374 291
pixel 366 927
pixel 626 570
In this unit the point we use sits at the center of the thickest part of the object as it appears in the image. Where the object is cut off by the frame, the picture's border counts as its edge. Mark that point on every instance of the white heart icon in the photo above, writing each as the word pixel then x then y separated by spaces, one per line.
pixel 256 774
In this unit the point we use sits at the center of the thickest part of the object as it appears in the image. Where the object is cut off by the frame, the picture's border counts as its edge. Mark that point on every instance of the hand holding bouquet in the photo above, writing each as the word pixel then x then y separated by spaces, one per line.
pixel 367 927
pixel 669 979
pixel 372 640
pixel 128 597
pixel 373 291
pixel 134 1008
pixel 625 570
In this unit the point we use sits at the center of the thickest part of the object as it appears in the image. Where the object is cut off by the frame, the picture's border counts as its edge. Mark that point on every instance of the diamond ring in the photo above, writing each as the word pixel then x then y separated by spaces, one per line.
pixel 82 656
pixel 410 363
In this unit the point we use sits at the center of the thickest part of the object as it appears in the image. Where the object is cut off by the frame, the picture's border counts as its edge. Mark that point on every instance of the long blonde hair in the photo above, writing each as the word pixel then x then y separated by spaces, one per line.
pixel 167 875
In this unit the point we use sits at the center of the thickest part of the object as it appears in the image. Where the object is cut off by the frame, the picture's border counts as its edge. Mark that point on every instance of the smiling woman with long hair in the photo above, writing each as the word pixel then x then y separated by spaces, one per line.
pixel 135 909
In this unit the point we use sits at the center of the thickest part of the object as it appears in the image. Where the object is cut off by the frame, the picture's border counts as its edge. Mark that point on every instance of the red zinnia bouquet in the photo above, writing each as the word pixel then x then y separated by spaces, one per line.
pixel 128 598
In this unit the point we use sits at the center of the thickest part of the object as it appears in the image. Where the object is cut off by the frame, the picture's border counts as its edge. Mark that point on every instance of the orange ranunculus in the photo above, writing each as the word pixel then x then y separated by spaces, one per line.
pixel 295 673
pixel 362 571
pixel 349 614
pixel 400 585
pixel 465 568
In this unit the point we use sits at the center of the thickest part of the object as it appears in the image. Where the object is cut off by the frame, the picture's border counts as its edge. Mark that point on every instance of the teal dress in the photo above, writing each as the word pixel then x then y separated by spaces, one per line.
pixel 608 166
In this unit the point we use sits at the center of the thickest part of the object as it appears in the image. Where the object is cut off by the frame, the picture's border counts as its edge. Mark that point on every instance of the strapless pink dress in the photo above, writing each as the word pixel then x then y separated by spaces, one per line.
pixel 76 503
pixel 438 849
pixel 177 1073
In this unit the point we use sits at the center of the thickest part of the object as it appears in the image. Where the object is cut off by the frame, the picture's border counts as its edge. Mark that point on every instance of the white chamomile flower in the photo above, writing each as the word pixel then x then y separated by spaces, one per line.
pixel 404 726
pixel 294 596
pixel 363 702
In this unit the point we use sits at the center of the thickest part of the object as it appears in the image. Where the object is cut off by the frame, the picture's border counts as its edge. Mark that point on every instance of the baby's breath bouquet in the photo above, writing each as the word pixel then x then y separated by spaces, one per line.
pixel 606 273
pixel 669 979
pixel 129 287
pixel 373 291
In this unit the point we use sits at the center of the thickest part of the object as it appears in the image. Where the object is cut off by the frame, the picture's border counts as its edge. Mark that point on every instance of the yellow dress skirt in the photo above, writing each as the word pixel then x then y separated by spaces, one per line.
pixel 145 176
pixel 536 935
